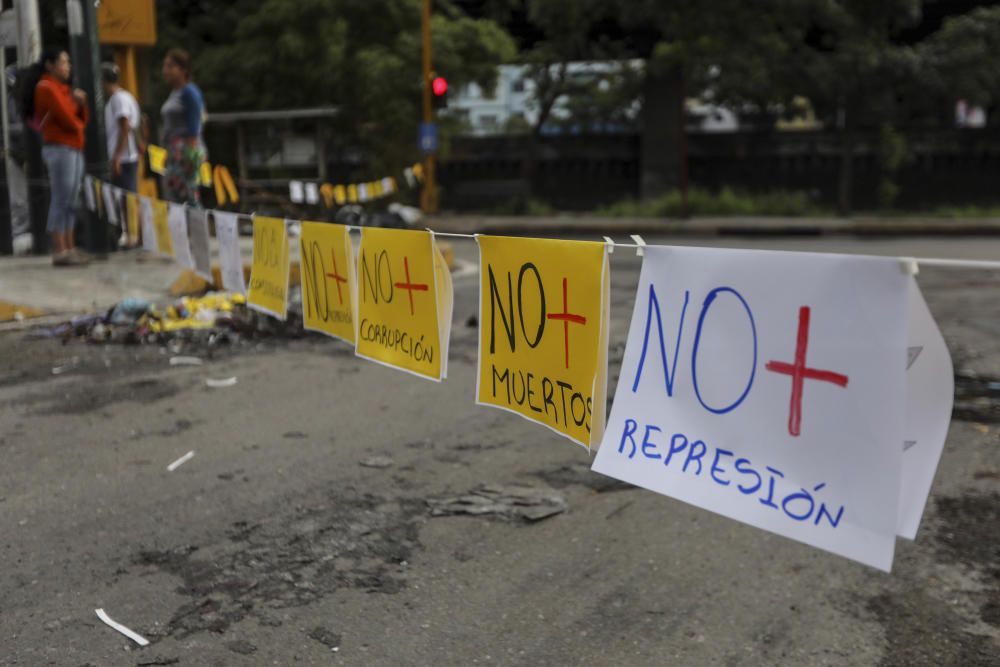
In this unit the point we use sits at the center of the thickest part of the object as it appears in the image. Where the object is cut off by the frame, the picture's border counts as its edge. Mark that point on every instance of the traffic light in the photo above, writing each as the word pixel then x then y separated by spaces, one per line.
pixel 439 91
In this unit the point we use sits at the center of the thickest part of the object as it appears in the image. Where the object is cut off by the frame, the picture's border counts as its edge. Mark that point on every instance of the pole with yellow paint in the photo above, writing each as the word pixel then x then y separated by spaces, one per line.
pixel 429 193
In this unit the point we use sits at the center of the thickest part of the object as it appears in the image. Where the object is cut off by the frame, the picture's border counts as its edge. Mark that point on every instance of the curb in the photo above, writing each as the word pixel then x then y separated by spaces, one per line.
pixel 861 226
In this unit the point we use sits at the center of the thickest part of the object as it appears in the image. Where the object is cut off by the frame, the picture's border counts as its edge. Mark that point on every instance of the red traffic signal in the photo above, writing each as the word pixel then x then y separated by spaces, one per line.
pixel 439 86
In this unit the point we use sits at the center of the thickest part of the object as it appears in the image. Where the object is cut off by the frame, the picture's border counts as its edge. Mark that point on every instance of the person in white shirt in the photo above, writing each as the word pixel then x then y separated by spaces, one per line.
pixel 121 123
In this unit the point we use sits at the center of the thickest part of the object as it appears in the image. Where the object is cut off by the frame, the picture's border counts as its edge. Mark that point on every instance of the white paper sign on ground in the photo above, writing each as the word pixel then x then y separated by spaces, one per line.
pixel 201 254
pixel 111 194
pixel 770 388
pixel 227 232
pixel 146 224
pixel 177 219
pixel 930 393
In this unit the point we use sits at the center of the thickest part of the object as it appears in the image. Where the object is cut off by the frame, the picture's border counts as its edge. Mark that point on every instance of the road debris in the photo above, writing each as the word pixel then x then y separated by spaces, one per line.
pixel 508 502
pixel 329 639
pixel 376 462
pixel 62 368
pixel 220 384
pixel 185 361
pixel 242 647
pixel 216 317
pixel 181 461
pixel 134 636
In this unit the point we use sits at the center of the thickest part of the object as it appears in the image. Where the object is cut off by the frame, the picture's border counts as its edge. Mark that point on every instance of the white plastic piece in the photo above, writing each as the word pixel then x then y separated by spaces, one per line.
pixel 909 265
pixel 640 244
pixel 611 244
pixel 134 636
pixel 181 461
pixel 220 384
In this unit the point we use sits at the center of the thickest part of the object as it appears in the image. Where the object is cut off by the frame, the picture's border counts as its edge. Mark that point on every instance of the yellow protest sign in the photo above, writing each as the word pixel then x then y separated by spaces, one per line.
pixel 225 186
pixel 340 194
pixel 402 302
pixel 543 332
pixel 132 217
pixel 161 225
pixel 100 198
pixel 269 274
pixel 205 175
pixel 130 22
pixel 157 159
pixel 328 280
pixel 327 190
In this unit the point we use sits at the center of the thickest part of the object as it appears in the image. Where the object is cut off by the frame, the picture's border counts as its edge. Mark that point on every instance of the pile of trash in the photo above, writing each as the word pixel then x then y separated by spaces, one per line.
pixel 216 317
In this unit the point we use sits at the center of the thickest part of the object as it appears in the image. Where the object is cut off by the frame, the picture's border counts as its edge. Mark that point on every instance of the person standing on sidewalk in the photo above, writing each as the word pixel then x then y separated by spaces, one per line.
pixel 61 114
pixel 121 124
pixel 183 115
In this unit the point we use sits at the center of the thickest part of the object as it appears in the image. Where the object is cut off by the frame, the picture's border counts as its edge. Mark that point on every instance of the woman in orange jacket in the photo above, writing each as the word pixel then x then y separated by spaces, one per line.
pixel 61 114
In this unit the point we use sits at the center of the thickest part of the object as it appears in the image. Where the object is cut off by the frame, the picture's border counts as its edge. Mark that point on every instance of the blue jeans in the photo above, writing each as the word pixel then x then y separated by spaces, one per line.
pixel 128 178
pixel 65 167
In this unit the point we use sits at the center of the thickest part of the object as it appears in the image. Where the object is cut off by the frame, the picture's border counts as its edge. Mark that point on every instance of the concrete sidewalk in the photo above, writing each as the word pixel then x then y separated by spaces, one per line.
pixel 32 284
pixel 713 226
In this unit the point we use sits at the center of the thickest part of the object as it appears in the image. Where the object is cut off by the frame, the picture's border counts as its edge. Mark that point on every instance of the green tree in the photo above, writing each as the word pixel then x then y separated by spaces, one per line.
pixel 570 31
pixel 850 58
pixel 962 58
pixel 362 56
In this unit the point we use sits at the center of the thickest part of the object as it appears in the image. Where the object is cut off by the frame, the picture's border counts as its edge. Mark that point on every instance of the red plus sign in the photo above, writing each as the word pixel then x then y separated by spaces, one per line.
pixel 336 276
pixel 410 286
pixel 566 318
pixel 800 372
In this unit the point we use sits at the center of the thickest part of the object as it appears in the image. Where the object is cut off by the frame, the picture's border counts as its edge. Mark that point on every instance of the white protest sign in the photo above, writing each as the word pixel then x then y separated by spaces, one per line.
pixel 200 240
pixel 930 393
pixel 9 28
pixel 177 220
pixel 227 231
pixel 768 387
pixel 295 192
pixel 110 195
pixel 146 222
pixel 312 193
pixel 88 193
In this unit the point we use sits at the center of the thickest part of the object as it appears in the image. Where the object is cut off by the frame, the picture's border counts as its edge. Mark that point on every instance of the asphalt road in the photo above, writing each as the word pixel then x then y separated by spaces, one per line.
pixel 275 545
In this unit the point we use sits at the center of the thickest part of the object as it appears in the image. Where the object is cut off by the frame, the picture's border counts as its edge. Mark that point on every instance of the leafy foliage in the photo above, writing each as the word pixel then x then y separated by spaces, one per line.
pixel 363 56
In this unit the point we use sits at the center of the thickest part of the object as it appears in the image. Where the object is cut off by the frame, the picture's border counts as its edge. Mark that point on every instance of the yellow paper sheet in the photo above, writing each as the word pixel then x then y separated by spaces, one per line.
pixel 543 327
pixel 399 313
pixel 269 276
pixel 132 217
pixel 328 280
pixel 157 159
pixel 161 225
